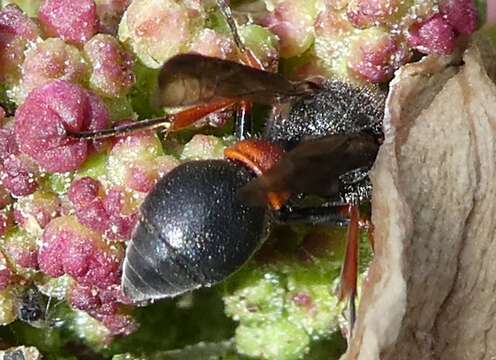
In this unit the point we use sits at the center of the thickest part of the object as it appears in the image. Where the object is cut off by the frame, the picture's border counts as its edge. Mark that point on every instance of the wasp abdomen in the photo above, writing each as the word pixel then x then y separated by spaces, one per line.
pixel 194 231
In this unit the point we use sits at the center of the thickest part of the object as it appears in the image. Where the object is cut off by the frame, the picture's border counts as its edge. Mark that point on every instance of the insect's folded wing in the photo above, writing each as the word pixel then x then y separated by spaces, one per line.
pixel 314 167
pixel 190 79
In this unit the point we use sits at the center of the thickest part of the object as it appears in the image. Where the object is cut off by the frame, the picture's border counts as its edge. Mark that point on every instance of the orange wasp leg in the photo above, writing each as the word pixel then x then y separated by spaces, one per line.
pixel 172 122
pixel 349 272
pixel 188 117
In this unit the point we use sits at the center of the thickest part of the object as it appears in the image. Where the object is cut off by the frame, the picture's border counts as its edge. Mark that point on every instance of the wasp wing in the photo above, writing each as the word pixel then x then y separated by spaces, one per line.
pixel 314 167
pixel 189 79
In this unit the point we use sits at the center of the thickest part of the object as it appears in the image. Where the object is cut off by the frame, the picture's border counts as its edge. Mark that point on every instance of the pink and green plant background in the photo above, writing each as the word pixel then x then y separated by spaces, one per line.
pixel 68 207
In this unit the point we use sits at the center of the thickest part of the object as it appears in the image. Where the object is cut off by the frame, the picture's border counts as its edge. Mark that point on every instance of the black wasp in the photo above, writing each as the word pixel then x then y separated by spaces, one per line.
pixel 205 219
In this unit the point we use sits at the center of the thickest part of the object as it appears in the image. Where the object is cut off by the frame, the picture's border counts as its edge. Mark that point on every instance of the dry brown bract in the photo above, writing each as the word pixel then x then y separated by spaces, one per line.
pixel 431 290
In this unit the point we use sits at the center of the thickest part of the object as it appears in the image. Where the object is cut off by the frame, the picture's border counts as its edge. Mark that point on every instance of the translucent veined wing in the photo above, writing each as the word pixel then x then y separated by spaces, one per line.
pixel 190 79
pixel 314 167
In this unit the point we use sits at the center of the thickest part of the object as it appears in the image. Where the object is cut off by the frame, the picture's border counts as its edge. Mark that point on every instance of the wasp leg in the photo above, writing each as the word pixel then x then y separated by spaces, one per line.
pixel 328 215
pixel 249 58
pixel 188 117
pixel 226 11
pixel 334 214
pixel 246 54
pixel 243 121
pixel 148 124
pixel 349 271
pixel 172 122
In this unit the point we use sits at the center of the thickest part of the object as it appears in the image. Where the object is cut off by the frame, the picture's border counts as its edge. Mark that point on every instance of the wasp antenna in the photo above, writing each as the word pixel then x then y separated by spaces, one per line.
pixel 226 11
pixel 148 124
pixel 249 58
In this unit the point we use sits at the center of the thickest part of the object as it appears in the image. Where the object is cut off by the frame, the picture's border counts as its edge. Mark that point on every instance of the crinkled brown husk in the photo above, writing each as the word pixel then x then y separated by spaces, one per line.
pixel 431 290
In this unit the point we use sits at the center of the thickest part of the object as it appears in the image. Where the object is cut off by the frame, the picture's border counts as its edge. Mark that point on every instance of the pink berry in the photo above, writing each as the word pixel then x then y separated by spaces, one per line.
pixel 460 14
pixel 211 43
pixel 331 24
pixel 98 114
pixel 95 301
pixel 109 299
pixel 104 305
pixel 366 13
pixel 69 247
pixel 84 298
pixel 141 178
pixel 490 13
pixel 26 258
pixel 42 121
pixel 8 145
pixel 121 227
pixel 14 21
pixel 434 36
pixel 73 21
pixel 120 324
pixel 159 29
pixel 133 161
pixel 375 59
pixel 16 29
pixel 22 248
pixel 18 176
pixel 50 60
pixel 41 207
pixel 83 191
pixel 293 22
pixel 112 67
pixel 122 221
pixel 93 215
pixel 5 277
pixel 115 202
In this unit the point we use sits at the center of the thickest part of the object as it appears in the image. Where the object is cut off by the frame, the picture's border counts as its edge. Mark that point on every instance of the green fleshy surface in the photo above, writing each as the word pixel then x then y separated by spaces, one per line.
pixel 266 284
pixel 30 7
pixel 6 99
pixel 119 108
pixel 481 9
pixel 142 93
pixel 287 293
pixel 200 315
pixel 95 166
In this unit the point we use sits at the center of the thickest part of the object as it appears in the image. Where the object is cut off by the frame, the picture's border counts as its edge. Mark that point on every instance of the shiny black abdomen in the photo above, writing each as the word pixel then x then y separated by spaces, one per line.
pixel 194 231
pixel 338 108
